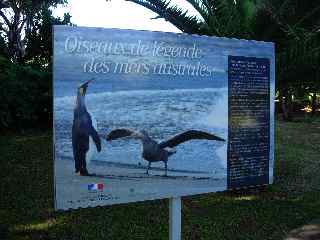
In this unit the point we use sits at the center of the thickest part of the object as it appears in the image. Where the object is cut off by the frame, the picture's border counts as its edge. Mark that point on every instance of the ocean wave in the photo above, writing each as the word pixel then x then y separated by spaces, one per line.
pixel 71 99
pixel 162 113
pixel 218 116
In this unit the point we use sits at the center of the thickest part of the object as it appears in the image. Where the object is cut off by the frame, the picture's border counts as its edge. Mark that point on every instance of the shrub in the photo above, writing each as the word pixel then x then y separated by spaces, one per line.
pixel 25 95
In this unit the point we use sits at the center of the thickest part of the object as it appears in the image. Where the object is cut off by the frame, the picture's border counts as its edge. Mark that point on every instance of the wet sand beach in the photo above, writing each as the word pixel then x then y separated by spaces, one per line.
pixel 123 184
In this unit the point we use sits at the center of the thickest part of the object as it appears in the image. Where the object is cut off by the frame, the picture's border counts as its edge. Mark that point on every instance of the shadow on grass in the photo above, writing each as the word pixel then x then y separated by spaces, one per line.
pixel 26 191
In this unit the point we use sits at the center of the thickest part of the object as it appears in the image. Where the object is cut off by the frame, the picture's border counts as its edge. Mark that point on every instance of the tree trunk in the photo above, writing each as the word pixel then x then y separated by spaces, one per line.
pixel 314 104
pixel 14 43
pixel 283 108
pixel 14 26
pixel 286 106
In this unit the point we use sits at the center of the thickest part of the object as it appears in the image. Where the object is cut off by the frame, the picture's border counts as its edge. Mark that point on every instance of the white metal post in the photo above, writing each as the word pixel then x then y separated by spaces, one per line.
pixel 175 218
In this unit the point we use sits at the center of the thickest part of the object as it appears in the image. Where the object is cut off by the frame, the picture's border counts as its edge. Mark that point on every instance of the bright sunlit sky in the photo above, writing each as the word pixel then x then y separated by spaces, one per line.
pixel 117 14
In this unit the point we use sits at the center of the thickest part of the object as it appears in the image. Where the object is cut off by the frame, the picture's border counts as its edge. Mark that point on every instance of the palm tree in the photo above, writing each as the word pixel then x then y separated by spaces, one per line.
pixel 294 25
pixel 228 18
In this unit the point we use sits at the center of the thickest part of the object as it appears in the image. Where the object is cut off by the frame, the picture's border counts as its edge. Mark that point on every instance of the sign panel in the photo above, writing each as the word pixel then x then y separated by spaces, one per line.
pixel 142 115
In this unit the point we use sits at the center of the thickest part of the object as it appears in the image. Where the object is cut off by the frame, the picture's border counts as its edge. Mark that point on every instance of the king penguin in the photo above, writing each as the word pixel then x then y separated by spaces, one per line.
pixel 82 130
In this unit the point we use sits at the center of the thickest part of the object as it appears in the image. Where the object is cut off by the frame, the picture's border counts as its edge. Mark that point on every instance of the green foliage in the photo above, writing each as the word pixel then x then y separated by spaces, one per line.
pixel 3 48
pixel 17 21
pixel 25 85
pixel 294 26
pixel 217 18
pixel 39 48
pixel 25 95
pixel 173 14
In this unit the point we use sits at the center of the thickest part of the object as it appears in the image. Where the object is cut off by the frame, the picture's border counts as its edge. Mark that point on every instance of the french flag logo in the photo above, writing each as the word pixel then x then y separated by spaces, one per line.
pixel 95 186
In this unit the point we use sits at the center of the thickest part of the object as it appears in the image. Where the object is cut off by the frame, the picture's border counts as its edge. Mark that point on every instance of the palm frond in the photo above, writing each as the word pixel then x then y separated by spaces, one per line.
pixel 178 17
pixel 218 17
pixel 296 56
pixel 200 7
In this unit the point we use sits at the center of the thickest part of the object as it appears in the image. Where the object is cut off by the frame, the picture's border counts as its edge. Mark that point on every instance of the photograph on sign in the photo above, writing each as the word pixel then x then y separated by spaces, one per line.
pixel 144 115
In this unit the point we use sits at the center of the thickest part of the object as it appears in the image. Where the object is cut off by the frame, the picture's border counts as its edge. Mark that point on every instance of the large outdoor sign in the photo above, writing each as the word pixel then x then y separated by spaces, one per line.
pixel 144 115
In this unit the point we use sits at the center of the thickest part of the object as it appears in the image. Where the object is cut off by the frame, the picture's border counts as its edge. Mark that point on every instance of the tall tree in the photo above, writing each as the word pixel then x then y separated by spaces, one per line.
pixel 294 25
pixel 39 40
pixel 17 21
pixel 25 69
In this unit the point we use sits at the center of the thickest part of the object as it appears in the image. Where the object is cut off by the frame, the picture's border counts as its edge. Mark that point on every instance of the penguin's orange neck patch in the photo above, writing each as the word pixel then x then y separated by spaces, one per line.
pixel 81 91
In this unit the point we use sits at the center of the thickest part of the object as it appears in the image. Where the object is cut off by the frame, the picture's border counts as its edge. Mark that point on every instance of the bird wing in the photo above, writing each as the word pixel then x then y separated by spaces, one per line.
pixel 119 133
pixel 186 136
pixel 93 132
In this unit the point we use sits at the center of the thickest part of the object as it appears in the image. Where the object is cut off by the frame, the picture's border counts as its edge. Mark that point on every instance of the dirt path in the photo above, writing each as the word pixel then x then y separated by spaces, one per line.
pixel 310 231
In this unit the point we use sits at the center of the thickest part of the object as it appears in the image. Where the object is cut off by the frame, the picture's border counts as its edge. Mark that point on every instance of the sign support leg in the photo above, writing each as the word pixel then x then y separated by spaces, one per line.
pixel 175 218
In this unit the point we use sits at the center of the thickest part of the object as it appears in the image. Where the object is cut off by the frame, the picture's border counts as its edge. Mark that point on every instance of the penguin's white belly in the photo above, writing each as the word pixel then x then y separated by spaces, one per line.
pixel 92 147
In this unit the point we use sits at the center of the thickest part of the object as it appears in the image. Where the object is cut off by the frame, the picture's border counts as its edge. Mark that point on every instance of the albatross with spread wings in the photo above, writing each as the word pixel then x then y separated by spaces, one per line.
pixel 152 151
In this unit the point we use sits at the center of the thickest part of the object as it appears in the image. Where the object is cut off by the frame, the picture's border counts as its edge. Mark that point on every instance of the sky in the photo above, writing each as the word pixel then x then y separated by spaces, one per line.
pixel 117 14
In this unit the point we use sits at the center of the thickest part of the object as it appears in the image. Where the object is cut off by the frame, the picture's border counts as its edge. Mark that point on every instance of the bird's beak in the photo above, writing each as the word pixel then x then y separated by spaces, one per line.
pixel 87 82
pixel 83 87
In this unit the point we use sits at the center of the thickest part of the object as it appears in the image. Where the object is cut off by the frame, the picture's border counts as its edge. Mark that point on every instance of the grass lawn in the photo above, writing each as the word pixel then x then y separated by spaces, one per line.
pixel 26 197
